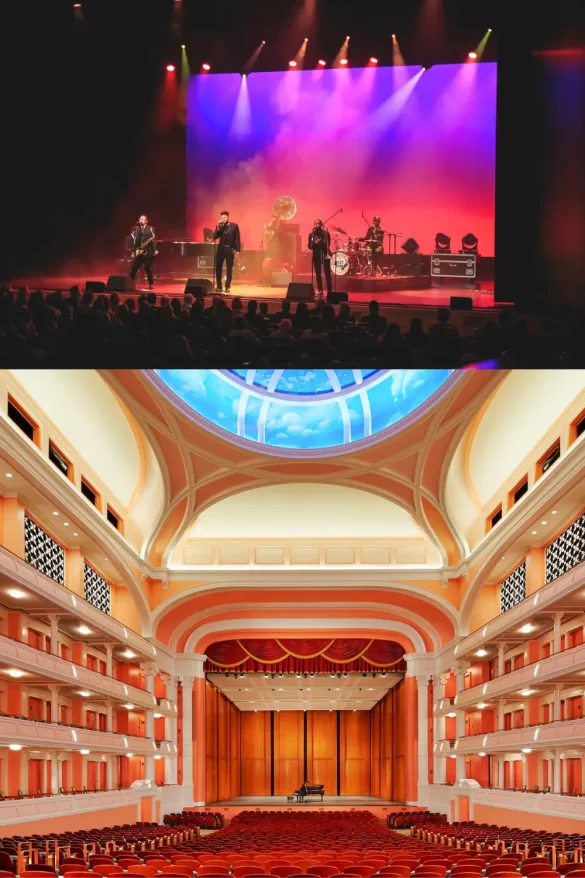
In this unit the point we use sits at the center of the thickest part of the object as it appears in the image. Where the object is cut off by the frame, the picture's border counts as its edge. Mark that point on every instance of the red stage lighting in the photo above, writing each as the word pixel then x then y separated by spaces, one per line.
pixel 205 67
pixel 472 55
pixel 343 61
pixel 321 62
pixel 170 68
pixel 373 60
pixel 292 63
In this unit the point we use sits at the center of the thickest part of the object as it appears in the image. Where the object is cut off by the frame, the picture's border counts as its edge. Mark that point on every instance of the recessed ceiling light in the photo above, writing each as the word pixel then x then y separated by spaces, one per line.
pixel 75 534
pixel 481 705
pixel 65 524
pixel 452 756
pixel 129 654
pixel 481 753
pixel 158 715
pixel 451 715
pixel 83 629
pixel 526 750
pixel 534 532
pixel 128 706
pixel 543 522
pixel 15 746
pixel 554 512
pixel 84 752
pixel 129 755
pixel 85 694
pixel 14 672
pixel 8 475
pixel 17 593
pixel 526 629
pixel 526 692
pixel 481 652
pixel 503 557
pixel 158 756
pixel 55 513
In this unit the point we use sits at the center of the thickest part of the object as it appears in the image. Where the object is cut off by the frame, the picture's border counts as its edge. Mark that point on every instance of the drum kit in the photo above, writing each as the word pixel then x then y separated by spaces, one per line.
pixel 354 256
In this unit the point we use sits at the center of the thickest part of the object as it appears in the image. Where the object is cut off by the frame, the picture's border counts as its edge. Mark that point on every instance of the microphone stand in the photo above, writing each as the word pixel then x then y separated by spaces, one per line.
pixel 325 227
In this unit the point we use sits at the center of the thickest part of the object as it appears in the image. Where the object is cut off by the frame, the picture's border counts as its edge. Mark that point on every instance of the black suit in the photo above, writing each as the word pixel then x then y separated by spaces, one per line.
pixel 228 237
pixel 320 244
pixel 144 233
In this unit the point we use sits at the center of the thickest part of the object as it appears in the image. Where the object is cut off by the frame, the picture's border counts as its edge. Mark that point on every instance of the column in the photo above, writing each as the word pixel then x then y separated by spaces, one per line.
pixel 556 784
pixel 55 775
pixel 149 726
pixel 501 770
pixel 459 671
pixel 557 619
pixel 439 765
pixel 501 661
pixel 110 778
pixel 524 770
pixel 24 772
pixel 564 774
pixel 422 683
pixel 54 704
pixel 501 711
pixel 109 717
pixel 187 687
pixel 171 733
pixel 557 704
pixel 109 667
pixel 54 622
pixel 200 766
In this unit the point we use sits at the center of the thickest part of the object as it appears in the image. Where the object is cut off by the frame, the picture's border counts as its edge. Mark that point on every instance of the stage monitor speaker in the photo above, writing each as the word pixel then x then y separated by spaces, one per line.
pixel 95 286
pixel 461 303
pixel 297 292
pixel 120 283
pixel 336 298
pixel 195 284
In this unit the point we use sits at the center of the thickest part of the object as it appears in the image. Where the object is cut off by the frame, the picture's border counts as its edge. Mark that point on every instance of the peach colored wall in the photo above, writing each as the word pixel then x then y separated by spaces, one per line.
pixel 124 609
pixel 525 819
pixel 486 606
pixel 89 820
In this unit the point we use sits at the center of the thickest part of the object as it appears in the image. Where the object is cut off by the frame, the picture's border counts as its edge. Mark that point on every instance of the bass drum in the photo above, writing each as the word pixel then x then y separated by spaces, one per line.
pixel 339 263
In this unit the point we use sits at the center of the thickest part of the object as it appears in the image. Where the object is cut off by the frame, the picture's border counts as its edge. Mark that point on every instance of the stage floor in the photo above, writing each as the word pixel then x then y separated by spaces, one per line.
pixel 280 801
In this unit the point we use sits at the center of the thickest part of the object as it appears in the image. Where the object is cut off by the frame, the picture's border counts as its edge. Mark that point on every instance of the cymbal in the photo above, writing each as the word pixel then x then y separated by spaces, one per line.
pixel 337 229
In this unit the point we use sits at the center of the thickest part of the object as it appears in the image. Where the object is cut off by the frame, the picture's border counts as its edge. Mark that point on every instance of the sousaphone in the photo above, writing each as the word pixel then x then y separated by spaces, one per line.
pixel 283 209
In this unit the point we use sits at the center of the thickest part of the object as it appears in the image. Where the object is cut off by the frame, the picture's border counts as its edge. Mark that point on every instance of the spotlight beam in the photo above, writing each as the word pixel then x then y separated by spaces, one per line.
pixel 249 64
pixel 480 48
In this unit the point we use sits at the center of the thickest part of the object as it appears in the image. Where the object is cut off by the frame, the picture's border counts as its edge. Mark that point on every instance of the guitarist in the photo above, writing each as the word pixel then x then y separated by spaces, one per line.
pixel 144 250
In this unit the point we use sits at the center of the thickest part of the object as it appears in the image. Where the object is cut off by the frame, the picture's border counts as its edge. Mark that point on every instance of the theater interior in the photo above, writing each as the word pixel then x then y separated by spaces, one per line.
pixel 306 623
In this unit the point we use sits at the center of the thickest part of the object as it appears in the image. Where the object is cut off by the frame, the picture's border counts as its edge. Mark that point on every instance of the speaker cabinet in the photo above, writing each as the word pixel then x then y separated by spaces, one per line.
pixel 336 298
pixel 95 286
pixel 461 303
pixel 120 283
pixel 298 292
pixel 198 286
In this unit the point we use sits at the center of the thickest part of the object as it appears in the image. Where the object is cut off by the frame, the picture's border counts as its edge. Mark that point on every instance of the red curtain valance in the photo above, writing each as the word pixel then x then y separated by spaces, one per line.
pixel 305 655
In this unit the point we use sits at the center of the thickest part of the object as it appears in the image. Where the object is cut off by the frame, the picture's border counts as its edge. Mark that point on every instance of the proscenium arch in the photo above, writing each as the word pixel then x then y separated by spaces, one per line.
pixel 241 582
pixel 203 636
pixel 265 481
pixel 392 615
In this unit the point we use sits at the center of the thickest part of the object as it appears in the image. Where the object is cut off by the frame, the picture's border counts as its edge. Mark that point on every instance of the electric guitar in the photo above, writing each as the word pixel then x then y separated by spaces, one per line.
pixel 138 251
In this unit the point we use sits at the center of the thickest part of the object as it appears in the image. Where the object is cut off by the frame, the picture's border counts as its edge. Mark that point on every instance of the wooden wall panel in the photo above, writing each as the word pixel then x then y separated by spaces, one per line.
pixel 399 748
pixel 211 697
pixel 386 746
pixel 375 749
pixel 224 716
pixel 354 745
pixel 255 753
pixel 289 743
pixel 234 751
pixel 322 749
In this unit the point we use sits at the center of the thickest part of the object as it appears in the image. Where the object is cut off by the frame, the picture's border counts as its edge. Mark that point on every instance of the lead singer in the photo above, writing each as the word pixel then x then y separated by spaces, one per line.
pixel 320 244
pixel 229 244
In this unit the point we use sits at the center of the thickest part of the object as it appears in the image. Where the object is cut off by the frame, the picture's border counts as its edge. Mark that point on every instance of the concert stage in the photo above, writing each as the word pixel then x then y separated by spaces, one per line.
pixel 380 807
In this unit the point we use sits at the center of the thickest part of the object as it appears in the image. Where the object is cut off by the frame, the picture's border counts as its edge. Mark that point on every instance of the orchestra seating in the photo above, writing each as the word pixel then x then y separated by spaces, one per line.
pixel 350 844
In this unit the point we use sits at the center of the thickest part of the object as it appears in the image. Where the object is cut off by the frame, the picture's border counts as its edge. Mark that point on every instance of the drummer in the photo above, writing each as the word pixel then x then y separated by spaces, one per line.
pixel 375 237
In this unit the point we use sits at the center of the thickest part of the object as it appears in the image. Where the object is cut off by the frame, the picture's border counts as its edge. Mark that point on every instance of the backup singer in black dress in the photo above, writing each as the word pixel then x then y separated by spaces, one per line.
pixel 144 249
pixel 320 245
pixel 228 235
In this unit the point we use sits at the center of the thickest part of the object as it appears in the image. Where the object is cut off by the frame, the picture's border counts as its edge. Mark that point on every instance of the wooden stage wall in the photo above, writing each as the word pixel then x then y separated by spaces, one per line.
pixel 271 753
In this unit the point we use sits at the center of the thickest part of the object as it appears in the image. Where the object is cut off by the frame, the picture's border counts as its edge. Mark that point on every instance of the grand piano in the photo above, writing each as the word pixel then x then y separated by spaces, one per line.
pixel 309 789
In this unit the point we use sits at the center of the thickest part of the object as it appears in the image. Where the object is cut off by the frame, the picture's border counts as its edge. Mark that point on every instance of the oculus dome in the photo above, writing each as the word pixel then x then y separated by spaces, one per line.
pixel 305 410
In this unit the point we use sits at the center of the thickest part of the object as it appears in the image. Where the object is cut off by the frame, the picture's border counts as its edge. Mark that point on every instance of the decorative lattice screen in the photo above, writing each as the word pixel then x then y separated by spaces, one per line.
pixel 567 550
pixel 43 552
pixel 513 588
pixel 97 590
